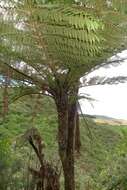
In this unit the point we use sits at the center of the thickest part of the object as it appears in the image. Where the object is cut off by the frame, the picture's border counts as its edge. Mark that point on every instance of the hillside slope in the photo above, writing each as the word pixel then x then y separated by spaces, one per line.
pixel 102 163
pixel 106 120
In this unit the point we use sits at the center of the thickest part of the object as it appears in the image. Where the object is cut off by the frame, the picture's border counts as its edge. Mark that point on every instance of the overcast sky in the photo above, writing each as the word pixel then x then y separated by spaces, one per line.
pixel 111 100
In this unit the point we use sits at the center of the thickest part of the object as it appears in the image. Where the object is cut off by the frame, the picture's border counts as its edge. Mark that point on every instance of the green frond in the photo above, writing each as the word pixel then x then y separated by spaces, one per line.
pixel 62 37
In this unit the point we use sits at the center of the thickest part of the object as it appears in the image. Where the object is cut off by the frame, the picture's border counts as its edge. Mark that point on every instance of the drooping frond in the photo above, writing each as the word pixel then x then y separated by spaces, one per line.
pixel 59 43
pixel 97 80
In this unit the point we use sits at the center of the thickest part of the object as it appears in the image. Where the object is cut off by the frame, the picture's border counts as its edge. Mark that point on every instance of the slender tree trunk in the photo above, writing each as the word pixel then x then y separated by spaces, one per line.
pixel 5 100
pixel 5 94
pixel 70 177
pixel 77 134
pixel 62 109
pixel 66 138
pixel 77 129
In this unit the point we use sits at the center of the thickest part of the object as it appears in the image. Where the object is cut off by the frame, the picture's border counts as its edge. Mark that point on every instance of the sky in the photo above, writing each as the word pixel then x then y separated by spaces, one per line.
pixel 110 100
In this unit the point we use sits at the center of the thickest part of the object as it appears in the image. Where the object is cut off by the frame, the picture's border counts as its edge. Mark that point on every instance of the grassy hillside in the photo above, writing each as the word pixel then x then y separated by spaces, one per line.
pixel 101 165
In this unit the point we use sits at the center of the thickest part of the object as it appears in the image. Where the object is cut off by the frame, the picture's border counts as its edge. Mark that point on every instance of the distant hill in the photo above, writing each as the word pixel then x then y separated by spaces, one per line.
pixel 102 119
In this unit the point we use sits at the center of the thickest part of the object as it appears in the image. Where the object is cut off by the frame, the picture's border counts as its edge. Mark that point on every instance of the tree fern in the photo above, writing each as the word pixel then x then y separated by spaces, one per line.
pixel 52 46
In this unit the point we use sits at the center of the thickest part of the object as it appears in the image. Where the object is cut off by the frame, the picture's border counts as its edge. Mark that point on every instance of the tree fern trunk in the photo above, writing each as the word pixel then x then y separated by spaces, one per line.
pixel 66 138
pixel 77 134
pixel 70 175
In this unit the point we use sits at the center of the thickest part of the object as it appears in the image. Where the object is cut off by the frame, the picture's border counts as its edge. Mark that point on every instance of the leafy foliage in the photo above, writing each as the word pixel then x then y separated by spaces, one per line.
pixel 101 165
pixel 53 40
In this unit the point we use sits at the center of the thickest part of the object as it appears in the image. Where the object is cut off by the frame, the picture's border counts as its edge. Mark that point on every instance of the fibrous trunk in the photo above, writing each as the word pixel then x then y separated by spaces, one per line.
pixel 77 134
pixel 66 138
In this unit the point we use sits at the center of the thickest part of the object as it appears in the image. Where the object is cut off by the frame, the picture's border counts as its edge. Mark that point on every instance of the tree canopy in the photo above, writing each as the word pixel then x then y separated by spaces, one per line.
pixel 49 43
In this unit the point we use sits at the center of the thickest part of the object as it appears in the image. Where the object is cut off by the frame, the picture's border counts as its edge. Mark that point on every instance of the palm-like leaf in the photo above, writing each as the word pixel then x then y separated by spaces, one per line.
pixel 58 44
